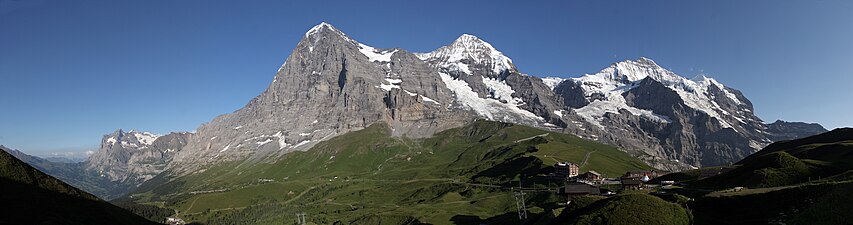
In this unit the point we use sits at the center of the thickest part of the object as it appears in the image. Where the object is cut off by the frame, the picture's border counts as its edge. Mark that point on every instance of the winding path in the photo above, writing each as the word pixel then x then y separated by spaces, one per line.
pixel 586 158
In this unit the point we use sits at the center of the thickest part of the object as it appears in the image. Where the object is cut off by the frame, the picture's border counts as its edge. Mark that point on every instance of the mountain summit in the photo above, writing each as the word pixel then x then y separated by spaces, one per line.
pixel 468 51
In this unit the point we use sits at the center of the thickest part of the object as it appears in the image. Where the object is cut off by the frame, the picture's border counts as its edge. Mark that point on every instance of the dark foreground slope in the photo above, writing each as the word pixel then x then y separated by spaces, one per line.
pixel 802 181
pixel 825 203
pixel 74 174
pixel 29 196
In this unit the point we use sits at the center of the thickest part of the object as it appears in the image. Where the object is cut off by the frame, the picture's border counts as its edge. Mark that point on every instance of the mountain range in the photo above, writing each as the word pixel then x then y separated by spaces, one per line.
pixel 332 84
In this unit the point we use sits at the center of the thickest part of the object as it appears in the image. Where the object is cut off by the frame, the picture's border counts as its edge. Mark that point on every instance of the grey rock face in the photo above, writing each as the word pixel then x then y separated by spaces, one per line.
pixel 573 95
pixel 329 85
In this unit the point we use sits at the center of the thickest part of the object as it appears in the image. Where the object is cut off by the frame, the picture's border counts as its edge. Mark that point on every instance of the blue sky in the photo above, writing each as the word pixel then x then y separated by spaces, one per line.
pixel 72 71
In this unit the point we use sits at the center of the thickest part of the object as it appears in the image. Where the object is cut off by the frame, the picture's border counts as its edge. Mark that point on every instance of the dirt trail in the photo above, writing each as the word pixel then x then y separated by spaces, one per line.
pixel 586 158
pixel 524 139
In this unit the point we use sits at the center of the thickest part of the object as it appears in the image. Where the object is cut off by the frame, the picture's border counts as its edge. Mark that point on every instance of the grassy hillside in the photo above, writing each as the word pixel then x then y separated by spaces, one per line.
pixel 460 175
pixel 803 181
pixel 791 162
pixel 636 208
pixel 805 147
pixel 32 197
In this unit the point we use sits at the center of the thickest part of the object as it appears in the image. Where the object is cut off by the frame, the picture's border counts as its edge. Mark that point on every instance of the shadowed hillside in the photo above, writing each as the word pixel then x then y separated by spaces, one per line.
pixel 32 197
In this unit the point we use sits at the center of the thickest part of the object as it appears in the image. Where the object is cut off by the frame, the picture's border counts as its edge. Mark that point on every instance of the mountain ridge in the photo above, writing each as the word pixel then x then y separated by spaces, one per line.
pixel 331 84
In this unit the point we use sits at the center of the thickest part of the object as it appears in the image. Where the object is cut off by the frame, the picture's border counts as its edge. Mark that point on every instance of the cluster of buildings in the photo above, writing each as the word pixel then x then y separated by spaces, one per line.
pixel 576 183
pixel 588 183
pixel 571 172
pixel 636 180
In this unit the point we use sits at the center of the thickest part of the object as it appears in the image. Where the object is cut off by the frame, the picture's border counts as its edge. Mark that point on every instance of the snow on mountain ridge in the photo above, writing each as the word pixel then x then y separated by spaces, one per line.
pixel 373 54
pixel 472 69
pixel 620 77
pixel 469 47
pixel 489 108
pixel 317 28
pixel 131 139
pixel 145 138
pixel 499 90
pixel 552 82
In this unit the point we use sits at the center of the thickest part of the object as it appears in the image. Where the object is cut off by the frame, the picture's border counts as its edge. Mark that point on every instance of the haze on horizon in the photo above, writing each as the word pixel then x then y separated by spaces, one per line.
pixel 74 71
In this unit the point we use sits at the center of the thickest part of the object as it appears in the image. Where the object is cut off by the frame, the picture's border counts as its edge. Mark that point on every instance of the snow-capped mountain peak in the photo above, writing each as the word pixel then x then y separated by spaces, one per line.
pixel 131 139
pixel 145 138
pixel 319 32
pixel 552 82
pixel 319 27
pixel 484 80
pixel 467 51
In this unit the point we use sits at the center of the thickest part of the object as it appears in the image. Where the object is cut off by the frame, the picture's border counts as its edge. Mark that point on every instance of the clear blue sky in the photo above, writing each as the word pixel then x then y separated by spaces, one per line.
pixel 72 71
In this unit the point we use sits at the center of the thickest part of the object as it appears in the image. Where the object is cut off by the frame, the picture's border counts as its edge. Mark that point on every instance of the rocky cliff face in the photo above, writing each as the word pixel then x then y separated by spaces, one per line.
pixel 329 85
